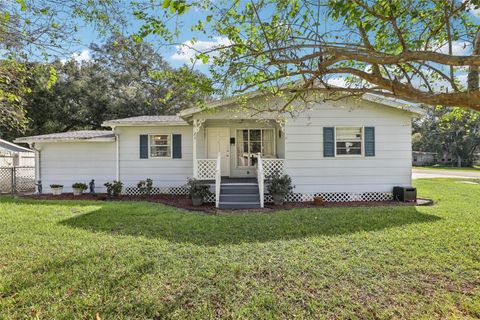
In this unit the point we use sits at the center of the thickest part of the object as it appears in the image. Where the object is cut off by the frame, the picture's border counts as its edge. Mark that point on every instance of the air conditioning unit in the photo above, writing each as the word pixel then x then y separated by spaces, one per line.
pixel 404 194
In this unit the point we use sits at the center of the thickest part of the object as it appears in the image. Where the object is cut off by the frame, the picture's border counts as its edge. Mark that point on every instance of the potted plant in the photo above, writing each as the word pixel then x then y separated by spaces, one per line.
pixel 279 186
pixel 57 189
pixel 114 188
pixel 198 191
pixel 78 188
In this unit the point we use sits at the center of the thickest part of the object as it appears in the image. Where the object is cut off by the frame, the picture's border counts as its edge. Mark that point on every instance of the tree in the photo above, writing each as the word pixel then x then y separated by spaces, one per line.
pixel 143 82
pixel 395 48
pixel 123 79
pixel 454 131
pixel 37 30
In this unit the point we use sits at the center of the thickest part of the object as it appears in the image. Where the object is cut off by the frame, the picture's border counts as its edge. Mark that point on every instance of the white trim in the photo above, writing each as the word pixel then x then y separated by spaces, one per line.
pixel 21 140
pixel 362 141
pixel 143 124
pixel 171 145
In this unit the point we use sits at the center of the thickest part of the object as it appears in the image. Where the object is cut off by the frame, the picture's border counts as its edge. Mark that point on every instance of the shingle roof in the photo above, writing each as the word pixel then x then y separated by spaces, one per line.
pixel 146 120
pixel 12 147
pixel 87 135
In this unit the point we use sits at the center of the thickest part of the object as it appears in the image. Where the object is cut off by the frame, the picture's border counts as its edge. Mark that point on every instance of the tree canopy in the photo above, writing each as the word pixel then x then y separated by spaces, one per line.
pixel 122 79
pixel 451 131
pixel 423 51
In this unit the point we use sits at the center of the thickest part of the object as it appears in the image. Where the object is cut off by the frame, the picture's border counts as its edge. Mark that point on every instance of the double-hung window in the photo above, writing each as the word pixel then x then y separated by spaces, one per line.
pixel 250 142
pixel 349 141
pixel 160 146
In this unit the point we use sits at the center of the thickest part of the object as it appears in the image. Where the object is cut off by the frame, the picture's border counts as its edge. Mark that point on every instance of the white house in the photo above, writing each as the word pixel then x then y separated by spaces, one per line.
pixel 341 150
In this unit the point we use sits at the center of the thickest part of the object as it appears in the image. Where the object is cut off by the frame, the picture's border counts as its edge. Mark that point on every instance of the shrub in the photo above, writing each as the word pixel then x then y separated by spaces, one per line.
pixel 114 188
pixel 145 186
pixel 280 184
pixel 54 186
pixel 197 188
pixel 79 185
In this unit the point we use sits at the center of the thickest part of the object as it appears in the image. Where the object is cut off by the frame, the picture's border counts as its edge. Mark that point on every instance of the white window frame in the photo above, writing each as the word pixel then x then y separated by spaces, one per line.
pixel 261 141
pixel 362 141
pixel 150 146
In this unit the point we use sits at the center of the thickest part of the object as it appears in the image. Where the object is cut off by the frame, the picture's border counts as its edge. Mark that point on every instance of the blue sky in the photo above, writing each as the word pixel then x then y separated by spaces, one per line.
pixel 87 35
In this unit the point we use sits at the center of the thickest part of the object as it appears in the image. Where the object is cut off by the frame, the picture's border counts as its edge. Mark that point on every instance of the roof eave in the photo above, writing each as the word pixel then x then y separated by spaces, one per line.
pixel 142 124
pixel 27 140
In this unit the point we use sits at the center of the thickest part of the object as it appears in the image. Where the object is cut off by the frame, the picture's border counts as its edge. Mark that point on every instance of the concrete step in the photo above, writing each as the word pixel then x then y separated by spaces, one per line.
pixel 238 205
pixel 240 197
pixel 233 189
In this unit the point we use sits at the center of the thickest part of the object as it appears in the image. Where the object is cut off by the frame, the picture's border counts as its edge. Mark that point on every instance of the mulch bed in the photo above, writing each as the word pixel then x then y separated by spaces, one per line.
pixel 184 202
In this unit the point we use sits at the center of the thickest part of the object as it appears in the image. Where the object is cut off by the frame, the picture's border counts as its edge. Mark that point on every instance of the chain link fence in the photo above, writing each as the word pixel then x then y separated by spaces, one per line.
pixel 17 180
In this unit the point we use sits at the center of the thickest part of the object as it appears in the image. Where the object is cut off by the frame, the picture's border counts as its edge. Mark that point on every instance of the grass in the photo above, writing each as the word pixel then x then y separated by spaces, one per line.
pixel 74 260
pixel 475 169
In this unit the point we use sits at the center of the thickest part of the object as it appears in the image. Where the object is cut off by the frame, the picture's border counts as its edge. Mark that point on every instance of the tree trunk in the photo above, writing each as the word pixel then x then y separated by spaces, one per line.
pixel 473 73
pixel 459 161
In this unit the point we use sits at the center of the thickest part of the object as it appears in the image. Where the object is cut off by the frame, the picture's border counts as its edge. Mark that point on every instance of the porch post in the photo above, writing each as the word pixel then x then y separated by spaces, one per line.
pixel 197 124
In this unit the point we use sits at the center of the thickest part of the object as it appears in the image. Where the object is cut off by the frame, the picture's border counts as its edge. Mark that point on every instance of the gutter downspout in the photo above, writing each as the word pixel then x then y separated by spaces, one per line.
pixel 117 146
pixel 38 166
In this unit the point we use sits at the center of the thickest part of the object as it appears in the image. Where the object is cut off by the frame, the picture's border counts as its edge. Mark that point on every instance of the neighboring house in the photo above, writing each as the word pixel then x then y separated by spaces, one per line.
pixel 12 155
pixel 341 150
pixel 420 158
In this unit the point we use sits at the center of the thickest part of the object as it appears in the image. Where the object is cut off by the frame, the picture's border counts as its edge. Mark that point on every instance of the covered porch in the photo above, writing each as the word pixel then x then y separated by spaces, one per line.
pixel 238 144
pixel 236 156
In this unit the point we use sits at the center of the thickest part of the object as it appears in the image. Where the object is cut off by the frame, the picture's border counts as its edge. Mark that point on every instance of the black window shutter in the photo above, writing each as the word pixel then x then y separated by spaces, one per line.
pixel 144 146
pixel 369 141
pixel 177 146
pixel 328 141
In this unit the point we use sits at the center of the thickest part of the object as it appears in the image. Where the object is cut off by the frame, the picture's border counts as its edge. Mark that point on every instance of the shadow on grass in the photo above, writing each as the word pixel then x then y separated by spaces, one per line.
pixel 161 222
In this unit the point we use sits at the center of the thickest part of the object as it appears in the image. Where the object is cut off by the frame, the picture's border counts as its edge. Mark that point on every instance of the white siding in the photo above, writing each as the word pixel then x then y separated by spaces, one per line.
pixel 69 162
pixel 163 172
pixel 312 173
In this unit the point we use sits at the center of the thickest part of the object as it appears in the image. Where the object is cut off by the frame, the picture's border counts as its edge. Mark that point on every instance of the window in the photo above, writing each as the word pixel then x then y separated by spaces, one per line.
pixel 348 141
pixel 250 142
pixel 161 146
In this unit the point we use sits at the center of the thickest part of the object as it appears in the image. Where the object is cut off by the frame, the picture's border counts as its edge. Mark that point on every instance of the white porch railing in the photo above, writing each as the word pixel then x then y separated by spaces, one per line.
pixel 206 169
pixel 218 180
pixel 260 179
pixel 270 166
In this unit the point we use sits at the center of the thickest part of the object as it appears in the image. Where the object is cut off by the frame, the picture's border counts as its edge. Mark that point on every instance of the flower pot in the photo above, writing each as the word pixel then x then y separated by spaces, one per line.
pixel 197 200
pixel 57 191
pixel 278 199
pixel 77 191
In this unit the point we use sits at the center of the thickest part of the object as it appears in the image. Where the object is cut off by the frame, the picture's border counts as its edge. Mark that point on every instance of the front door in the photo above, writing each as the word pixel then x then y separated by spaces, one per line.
pixel 218 140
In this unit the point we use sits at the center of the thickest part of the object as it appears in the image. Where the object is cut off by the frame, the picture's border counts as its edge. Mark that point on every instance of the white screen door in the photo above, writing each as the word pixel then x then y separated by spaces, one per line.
pixel 218 140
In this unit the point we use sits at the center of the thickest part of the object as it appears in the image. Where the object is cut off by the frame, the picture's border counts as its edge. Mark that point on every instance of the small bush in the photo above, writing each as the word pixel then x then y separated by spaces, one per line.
pixel 197 188
pixel 54 186
pixel 114 188
pixel 79 185
pixel 280 184
pixel 145 186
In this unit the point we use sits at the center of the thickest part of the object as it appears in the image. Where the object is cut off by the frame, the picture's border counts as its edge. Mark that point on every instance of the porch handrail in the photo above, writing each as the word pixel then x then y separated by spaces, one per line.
pixel 218 180
pixel 260 179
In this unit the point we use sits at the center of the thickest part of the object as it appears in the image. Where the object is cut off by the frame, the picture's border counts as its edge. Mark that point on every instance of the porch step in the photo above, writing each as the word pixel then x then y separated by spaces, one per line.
pixel 238 189
pixel 239 205
pixel 238 195
pixel 240 198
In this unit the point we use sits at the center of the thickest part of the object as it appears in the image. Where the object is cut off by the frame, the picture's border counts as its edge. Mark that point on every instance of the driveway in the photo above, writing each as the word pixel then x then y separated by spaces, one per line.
pixel 439 173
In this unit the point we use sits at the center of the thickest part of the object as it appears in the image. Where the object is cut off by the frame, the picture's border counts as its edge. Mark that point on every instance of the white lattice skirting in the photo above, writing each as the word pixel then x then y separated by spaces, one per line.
pixel 179 191
pixel 293 197
pixel 336 197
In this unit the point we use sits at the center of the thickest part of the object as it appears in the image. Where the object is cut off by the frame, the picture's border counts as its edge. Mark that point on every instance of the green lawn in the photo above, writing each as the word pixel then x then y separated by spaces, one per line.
pixel 72 260
pixel 437 167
